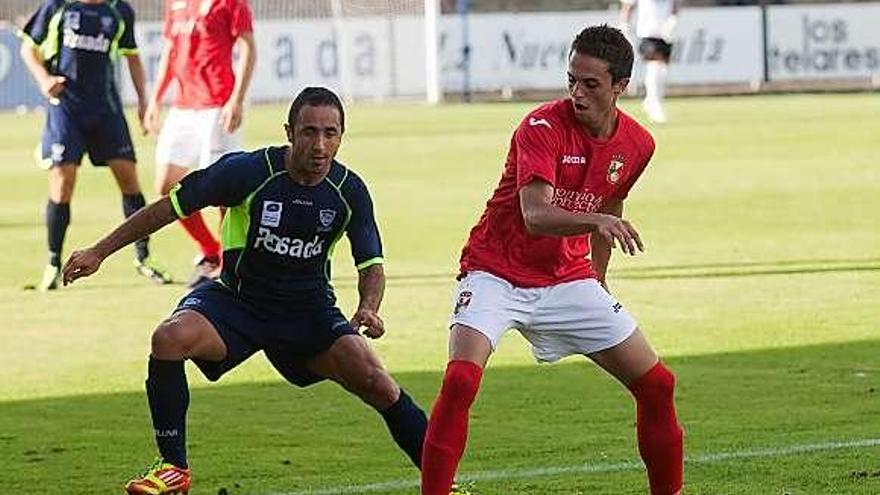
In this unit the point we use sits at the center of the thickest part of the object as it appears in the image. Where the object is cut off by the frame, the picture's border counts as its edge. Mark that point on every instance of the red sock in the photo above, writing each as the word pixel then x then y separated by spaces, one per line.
pixel 196 228
pixel 661 439
pixel 448 427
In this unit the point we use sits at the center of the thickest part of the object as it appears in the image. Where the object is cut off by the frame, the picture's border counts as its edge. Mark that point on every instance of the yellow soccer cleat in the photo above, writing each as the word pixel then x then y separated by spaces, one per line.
pixel 461 489
pixel 159 479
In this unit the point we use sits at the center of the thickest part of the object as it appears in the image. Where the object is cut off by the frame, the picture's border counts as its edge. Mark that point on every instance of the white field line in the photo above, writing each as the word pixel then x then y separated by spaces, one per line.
pixel 526 473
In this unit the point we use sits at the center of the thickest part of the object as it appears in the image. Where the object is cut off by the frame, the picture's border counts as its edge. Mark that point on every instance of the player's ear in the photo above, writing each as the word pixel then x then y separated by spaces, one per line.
pixel 620 86
pixel 288 131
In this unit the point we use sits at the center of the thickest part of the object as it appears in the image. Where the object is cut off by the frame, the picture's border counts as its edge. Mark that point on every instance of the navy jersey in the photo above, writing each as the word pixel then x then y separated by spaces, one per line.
pixel 278 236
pixel 82 42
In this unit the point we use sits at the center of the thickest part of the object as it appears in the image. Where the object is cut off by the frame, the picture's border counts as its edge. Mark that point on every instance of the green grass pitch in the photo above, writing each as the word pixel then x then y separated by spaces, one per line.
pixel 760 286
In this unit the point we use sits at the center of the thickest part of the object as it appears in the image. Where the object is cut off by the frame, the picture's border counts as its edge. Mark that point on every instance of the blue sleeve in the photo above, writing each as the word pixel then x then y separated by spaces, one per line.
pixel 37 27
pixel 362 231
pixel 225 183
pixel 127 43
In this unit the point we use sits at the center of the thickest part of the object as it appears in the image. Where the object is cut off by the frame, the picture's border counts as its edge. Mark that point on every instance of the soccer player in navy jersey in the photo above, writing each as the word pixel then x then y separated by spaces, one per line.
pixel 70 47
pixel 287 207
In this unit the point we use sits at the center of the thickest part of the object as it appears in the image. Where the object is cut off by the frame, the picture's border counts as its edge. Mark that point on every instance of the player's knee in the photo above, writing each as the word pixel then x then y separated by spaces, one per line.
pixel 169 340
pixel 658 384
pixel 461 382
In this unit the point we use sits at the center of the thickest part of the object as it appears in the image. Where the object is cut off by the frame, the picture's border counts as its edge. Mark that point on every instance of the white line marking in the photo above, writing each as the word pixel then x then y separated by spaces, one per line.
pixel 508 474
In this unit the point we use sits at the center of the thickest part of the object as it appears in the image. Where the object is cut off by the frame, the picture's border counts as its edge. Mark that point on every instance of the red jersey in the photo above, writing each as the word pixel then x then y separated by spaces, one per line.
pixel 550 145
pixel 202 34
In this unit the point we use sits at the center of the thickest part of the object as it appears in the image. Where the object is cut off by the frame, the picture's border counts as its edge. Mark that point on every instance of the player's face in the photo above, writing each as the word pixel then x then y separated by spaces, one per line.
pixel 593 95
pixel 315 138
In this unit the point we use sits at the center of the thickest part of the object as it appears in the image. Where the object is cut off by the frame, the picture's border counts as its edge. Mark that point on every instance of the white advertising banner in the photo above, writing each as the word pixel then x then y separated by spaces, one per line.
pixel 717 45
pixel 822 41
pixel 383 57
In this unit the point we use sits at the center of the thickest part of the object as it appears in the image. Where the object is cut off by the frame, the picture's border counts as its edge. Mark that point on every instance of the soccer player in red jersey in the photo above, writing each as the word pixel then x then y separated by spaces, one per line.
pixel 537 258
pixel 203 123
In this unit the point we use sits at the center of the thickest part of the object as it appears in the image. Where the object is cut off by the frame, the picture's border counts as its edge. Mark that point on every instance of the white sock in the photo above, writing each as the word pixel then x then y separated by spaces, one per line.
pixel 655 82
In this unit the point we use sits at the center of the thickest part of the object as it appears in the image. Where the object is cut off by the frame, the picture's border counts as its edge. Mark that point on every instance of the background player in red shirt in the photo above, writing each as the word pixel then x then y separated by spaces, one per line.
pixel 525 266
pixel 203 123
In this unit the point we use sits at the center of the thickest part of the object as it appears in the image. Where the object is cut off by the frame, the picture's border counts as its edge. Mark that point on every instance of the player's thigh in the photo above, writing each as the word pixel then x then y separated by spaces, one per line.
pixel 484 308
pixel 216 141
pixel 238 329
pixel 168 176
pixel 577 318
pixel 351 363
pixel 125 174
pixel 628 360
pixel 469 344
pixel 180 140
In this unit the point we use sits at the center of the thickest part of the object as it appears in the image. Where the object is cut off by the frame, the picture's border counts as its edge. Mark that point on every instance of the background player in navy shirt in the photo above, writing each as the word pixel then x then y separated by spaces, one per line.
pixel 70 48
pixel 287 208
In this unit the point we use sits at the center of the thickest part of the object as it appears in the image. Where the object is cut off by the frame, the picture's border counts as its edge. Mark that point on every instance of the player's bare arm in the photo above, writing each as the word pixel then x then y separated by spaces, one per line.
pixel 139 80
pixel 541 217
pixel 371 289
pixel 233 111
pixel 51 86
pixel 600 249
pixel 85 262
pixel 163 80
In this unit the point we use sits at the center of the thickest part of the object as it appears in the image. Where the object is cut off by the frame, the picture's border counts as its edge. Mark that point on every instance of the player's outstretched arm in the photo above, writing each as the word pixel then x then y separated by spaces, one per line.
pixel 541 217
pixel 85 262
pixel 371 288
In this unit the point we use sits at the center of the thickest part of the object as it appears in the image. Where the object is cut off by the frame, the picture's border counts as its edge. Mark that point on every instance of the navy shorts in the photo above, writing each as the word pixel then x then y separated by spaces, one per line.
pixel 287 339
pixel 71 132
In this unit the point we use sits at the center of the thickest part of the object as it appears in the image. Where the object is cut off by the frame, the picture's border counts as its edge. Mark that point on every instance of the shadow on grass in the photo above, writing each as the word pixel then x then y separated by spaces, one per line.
pixel 684 271
pixel 271 438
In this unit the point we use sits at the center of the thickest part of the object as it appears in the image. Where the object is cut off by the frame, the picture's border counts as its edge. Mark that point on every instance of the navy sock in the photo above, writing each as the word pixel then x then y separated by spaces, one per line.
pixel 131 203
pixel 168 395
pixel 57 220
pixel 407 424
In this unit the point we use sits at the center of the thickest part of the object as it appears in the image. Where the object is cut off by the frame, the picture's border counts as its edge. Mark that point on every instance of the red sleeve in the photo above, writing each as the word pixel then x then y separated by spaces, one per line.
pixel 166 24
pixel 242 18
pixel 536 144
pixel 647 151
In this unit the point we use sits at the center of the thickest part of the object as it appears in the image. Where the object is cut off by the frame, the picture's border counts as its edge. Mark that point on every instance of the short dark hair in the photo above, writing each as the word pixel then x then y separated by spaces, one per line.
pixel 606 43
pixel 315 97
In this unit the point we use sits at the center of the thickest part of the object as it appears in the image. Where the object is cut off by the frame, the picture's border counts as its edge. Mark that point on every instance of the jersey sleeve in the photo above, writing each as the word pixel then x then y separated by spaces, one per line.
pixel 362 231
pixel 536 151
pixel 241 17
pixel 647 149
pixel 127 42
pixel 225 183
pixel 36 30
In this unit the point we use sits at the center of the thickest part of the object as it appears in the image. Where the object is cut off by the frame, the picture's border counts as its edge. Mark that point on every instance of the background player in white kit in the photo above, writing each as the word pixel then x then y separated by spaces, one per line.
pixel 655 24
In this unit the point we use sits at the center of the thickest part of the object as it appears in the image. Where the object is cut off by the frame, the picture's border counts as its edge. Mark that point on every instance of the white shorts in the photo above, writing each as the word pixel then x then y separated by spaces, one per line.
pixel 577 317
pixel 194 138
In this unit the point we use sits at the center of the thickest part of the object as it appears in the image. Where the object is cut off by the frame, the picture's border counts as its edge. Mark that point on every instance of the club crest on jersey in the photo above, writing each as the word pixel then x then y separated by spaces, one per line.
pixel 614 168
pixel 464 300
pixel 106 23
pixel 271 216
pixel 326 217
pixel 71 20
pixel 205 7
